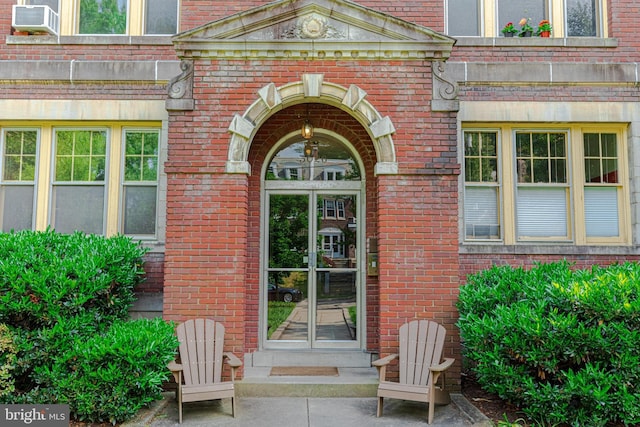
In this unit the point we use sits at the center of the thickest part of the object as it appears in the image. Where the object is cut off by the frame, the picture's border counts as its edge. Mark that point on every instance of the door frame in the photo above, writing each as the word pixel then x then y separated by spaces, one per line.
pixel 313 188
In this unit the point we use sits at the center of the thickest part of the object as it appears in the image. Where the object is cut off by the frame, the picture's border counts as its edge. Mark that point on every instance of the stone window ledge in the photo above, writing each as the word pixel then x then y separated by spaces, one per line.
pixel 551 249
pixel 90 40
pixel 582 42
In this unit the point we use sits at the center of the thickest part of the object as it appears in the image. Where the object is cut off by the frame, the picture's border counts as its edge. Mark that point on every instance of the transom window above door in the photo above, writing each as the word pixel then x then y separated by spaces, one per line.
pixel 485 18
pixel 313 160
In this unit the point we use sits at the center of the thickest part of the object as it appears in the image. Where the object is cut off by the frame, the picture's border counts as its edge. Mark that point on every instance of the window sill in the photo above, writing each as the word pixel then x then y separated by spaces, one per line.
pixel 582 42
pixel 469 248
pixel 90 40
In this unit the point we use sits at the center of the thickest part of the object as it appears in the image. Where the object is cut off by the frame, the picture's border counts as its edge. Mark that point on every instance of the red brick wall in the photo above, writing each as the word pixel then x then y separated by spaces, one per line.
pixel 205 254
pixel 154 277
pixel 413 215
pixel 418 256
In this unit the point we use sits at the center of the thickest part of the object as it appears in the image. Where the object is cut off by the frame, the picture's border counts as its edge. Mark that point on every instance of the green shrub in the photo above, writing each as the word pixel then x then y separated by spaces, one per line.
pixel 563 345
pixel 109 377
pixel 7 361
pixel 64 298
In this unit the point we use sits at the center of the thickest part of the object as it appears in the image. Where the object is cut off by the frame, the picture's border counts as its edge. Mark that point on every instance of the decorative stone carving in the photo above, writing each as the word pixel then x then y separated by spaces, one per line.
pixel 182 85
pixel 445 89
pixel 180 89
pixel 313 26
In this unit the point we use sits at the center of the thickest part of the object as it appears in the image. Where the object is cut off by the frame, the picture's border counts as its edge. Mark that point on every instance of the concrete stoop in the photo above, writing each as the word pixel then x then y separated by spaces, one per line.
pixel 350 382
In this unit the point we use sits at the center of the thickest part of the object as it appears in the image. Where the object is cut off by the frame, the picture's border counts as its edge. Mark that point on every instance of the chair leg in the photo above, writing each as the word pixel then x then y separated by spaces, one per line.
pixel 380 404
pixel 431 411
pixel 233 407
pixel 180 407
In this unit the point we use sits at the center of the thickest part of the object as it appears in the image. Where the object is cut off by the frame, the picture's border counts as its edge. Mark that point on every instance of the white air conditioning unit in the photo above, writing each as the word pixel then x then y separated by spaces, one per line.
pixel 35 18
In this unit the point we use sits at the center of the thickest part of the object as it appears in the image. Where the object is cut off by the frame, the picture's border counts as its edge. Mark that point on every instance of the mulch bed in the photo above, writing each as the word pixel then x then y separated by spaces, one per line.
pixel 490 404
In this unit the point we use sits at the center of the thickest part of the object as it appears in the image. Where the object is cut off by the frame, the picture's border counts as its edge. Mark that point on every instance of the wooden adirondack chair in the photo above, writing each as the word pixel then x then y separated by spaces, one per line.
pixel 421 365
pixel 199 373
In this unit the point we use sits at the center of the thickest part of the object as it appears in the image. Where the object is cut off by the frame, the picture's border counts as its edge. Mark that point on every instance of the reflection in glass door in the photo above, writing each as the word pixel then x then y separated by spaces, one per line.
pixel 312 269
pixel 288 266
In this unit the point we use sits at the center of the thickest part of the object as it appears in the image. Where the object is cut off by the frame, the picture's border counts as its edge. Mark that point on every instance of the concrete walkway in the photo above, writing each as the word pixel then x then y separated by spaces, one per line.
pixel 308 412
pixel 332 322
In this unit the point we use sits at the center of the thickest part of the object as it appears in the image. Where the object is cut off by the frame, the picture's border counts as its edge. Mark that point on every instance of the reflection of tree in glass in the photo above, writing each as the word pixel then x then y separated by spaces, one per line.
pixel 103 17
pixel 80 155
pixel 581 19
pixel 288 225
pixel 20 156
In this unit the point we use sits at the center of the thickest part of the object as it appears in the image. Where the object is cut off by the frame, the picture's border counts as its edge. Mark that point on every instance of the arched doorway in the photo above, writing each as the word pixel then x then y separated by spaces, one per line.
pixel 312 281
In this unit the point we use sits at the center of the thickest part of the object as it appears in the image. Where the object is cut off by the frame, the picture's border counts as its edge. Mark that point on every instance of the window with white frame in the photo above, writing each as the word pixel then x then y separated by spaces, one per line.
pixel 114 17
pixel 140 184
pixel 601 185
pixel 333 174
pixel 482 185
pixel 99 180
pixel 486 18
pixel 542 190
pixel 340 209
pixel 78 187
pixel 545 185
pixel 17 186
pixel 329 208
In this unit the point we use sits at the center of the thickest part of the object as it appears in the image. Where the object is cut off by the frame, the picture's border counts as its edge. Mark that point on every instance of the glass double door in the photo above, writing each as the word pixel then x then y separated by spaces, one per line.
pixel 311 296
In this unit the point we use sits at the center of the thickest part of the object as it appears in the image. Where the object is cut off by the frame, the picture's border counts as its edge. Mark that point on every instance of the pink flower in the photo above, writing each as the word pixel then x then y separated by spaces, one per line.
pixel 523 21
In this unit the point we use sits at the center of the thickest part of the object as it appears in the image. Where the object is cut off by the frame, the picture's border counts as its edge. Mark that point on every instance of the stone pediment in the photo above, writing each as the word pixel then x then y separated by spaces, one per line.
pixel 313 29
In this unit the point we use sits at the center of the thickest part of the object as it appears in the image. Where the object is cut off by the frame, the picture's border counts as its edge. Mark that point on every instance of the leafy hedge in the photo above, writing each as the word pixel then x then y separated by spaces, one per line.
pixel 7 361
pixel 563 345
pixel 65 301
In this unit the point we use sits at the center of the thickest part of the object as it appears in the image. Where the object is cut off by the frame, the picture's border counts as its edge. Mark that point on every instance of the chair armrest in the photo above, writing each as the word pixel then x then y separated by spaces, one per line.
pixel 233 360
pixel 176 370
pixel 381 365
pixel 442 366
pixel 384 361
pixel 174 367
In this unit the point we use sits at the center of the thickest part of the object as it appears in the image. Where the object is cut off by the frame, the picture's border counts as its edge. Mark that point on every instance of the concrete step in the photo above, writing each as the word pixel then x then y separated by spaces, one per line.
pixel 337 358
pixel 350 382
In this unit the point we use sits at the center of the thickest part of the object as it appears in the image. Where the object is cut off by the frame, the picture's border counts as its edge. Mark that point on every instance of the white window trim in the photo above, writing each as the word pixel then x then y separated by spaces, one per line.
pixel 3 142
pixel 575 169
pixel 123 183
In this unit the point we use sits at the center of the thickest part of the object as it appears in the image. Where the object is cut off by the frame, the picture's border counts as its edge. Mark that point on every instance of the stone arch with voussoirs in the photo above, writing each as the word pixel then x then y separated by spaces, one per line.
pixel 312 88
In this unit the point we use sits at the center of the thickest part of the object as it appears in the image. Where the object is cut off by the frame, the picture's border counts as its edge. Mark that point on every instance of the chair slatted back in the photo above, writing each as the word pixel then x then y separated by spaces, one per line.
pixel 201 343
pixel 421 345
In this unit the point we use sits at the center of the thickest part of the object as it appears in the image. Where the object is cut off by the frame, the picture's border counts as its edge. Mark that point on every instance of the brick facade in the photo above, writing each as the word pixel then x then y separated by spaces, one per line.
pixel 400 92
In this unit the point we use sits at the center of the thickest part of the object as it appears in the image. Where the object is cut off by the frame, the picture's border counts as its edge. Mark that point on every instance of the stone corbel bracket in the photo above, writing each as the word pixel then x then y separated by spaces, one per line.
pixel 352 100
pixel 445 89
pixel 180 89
